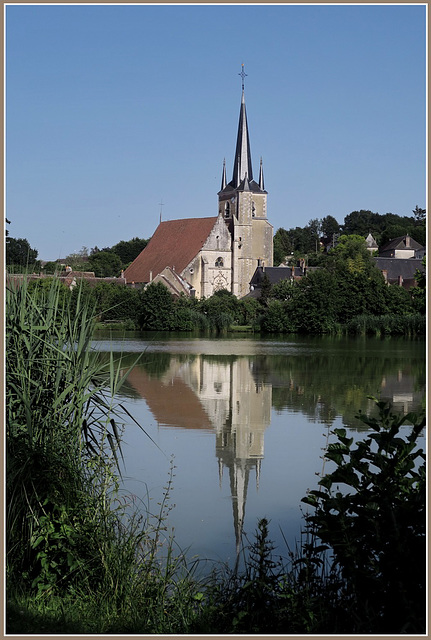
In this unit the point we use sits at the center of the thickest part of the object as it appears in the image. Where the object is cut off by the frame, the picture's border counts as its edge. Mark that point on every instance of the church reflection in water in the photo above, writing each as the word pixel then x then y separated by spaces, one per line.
pixel 217 395
pixel 232 396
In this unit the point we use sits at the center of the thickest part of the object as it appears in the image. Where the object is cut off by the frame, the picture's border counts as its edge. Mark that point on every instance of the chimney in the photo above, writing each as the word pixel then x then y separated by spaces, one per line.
pixel 151 276
pixel 408 241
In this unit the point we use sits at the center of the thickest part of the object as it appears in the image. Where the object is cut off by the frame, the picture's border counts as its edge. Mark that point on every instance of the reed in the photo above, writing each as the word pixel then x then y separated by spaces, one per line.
pixel 411 325
pixel 71 537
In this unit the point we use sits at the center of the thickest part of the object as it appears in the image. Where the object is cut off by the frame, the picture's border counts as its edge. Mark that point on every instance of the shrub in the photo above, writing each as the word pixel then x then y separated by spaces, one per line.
pixel 370 515
pixel 275 318
pixel 156 308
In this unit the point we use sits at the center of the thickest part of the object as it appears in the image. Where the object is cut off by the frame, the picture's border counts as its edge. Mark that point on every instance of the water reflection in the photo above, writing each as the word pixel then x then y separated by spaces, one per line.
pixel 218 395
pixel 233 396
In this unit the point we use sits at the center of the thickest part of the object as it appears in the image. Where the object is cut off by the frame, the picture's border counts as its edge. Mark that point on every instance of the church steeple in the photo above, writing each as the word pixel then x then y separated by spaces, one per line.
pixel 242 160
pixel 261 183
pixel 242 204
pixel 223 178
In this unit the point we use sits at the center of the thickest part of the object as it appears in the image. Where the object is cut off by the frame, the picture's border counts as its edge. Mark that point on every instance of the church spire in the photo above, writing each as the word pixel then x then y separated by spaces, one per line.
pixel 223 178
pixel 242 163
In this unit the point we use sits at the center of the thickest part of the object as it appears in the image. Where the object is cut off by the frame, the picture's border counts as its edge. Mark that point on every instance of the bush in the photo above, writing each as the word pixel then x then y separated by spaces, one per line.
pixel 275 318
pixel 156 308
pixel 370 515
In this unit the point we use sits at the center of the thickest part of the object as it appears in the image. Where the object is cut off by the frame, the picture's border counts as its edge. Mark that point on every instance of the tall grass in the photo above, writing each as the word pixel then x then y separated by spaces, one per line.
pixel 70 535
pixel 411 325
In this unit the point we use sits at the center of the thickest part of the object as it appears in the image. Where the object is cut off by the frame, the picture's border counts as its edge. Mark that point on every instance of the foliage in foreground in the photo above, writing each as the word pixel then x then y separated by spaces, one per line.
pixel 71 537
pixel 81 559
pixel 361 566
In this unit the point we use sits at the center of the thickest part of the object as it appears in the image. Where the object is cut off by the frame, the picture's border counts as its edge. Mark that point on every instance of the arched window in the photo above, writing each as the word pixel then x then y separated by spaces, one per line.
pixel 227 210
pixel 219 262
pixel 253 210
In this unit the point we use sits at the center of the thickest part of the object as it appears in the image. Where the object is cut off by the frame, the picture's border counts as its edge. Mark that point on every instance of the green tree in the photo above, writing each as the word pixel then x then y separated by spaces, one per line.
pixel 222 302
pixel 419 291
pixel 419 215
pixel 19 252
pixel 78 260
pixel 129 250
pixel 52 267
pixel 283 246
pixel 283 290
pixel 265 290
pixel 398 300
pixel 330 226
pixel 105 264
pixel 352 247
pixel 312 306
pixel 276 318
pixel 157 310
pixel 250 309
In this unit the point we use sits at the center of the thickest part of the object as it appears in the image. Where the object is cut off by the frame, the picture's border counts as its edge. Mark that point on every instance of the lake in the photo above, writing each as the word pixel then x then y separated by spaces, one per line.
pixel 246 420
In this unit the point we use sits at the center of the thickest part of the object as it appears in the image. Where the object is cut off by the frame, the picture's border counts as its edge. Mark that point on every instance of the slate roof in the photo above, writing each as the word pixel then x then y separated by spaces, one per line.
pixel 400 243
pixel 174 244
pixel 395 267
pixel 275 274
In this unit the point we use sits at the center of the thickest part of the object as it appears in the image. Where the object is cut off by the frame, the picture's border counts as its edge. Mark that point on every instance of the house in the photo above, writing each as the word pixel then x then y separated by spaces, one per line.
pixel 276 275
pixel 199 256
pixel 402 247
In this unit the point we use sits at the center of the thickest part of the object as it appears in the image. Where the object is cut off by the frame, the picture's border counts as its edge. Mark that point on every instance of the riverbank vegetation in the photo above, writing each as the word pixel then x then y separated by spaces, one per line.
pixel 346 295
pixel 83 558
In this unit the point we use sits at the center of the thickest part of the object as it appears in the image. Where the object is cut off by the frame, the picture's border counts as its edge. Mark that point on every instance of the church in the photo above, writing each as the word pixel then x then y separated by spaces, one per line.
pixel 199 256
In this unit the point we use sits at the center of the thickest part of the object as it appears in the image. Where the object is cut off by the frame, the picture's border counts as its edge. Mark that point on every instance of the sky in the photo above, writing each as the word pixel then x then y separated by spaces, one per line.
pixel 117 114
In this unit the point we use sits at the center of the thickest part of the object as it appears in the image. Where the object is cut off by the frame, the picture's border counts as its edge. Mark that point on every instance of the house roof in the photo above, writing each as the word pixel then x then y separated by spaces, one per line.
pixel 401 243
pixel 174 244
pixel 371 243
pixel 172 405
pixel 275 274
pixel 395 267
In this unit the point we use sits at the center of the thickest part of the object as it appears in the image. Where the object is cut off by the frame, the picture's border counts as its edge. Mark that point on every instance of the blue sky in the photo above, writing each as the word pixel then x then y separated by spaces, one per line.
pixel 112 109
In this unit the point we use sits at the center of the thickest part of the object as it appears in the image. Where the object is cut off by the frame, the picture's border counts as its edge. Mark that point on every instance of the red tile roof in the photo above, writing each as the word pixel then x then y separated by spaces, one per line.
pixel 174 244
pixel 172 405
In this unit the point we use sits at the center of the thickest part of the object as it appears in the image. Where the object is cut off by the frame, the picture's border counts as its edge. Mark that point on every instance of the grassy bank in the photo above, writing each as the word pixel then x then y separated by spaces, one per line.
pixel 81 558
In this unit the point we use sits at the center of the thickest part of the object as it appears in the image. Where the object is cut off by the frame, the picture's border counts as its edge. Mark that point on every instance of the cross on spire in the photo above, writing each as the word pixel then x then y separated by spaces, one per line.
pixel 242 74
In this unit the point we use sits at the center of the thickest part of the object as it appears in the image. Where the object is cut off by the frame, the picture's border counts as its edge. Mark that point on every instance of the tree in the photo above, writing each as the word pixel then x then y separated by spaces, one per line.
pixel 222 302
pixel 283 290
pixel 19 252
pixel 419 291
pixel 128 251
pixel 283 245
pixel 105 264
pixel 156 308
pixel 419 214
pixel 78 260
pixel 314 227
pixel 52 267
pixel 312 306
pixel 350 247
pixel 330 226
pixel 265 290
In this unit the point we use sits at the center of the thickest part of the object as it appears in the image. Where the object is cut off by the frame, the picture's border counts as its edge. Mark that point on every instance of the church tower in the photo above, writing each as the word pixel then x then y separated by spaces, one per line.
pixel 242 204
